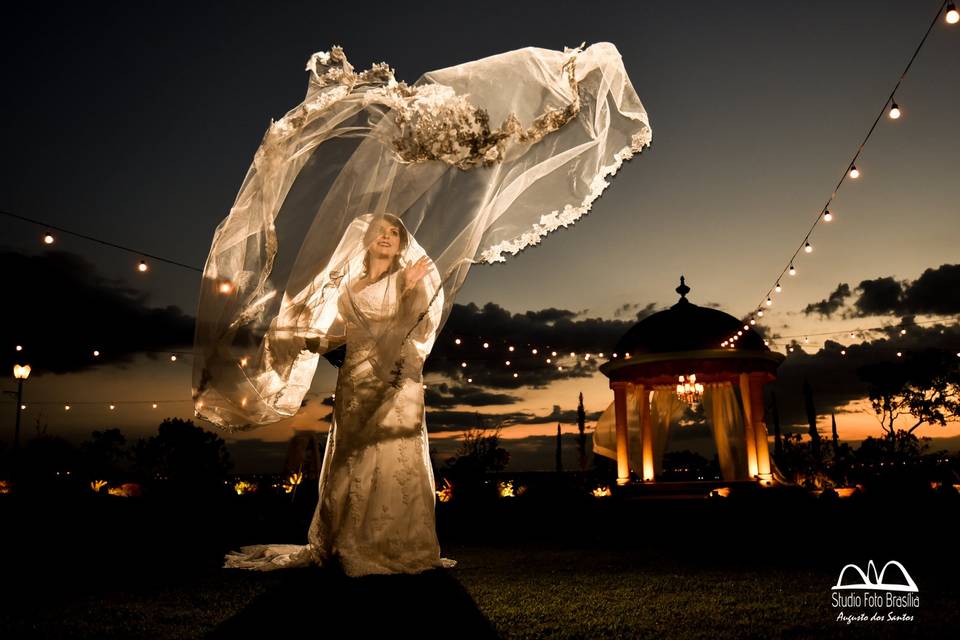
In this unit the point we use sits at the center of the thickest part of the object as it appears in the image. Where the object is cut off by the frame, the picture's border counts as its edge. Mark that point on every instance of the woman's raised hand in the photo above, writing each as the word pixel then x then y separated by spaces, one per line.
pixel 412 274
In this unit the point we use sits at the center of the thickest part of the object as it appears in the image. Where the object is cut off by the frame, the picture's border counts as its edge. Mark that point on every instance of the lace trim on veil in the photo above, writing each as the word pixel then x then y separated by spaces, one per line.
pixel 570 213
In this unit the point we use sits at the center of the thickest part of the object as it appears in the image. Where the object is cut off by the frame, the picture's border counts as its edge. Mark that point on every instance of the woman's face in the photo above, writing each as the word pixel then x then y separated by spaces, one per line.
pixel 385 239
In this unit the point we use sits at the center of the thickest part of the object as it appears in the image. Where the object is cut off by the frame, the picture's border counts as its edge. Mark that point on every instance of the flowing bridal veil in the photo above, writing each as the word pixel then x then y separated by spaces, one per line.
pixel 424 180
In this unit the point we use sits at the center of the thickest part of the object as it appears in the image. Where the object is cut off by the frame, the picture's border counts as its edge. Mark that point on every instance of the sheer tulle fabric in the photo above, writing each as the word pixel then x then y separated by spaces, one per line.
pixel 473 171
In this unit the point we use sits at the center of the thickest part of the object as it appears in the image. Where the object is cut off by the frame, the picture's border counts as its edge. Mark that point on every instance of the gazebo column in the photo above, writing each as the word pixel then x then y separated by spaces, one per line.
pixel 749 436
pixel 646 433
pixel 757 382
pixel 623 442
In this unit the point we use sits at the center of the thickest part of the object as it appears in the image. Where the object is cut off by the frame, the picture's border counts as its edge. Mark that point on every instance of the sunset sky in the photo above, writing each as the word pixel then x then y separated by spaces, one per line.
pixel 136 125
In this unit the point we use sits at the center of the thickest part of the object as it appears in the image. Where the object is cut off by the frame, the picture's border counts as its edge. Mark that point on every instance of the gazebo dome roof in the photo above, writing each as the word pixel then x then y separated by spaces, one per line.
pixel 687 327
pixel 686 339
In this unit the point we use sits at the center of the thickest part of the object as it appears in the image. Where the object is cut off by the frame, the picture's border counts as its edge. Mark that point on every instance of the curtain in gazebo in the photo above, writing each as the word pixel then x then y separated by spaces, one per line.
pixel 725 414
pixel 722 409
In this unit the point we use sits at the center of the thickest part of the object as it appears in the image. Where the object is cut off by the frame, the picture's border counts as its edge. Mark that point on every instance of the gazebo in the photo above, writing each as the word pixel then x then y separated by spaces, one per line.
pixel 681 355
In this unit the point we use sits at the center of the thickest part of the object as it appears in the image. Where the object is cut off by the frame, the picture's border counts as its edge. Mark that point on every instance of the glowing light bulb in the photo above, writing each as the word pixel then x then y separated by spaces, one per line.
pixel 559 368
pixel 572 354
pixel 827 216
pixel 548 361
pixel 899 353
pixel 746 328
pixel 792 271
pixel 515 375
pixel 553 353
pixel 952 16
pixel 23 407
pixel 769 301
pixel 807 248
pixel 534 352
pixel 843 352
pixel 903 332
pixel 142 266
pixel 486 345
pixel 243 361
pixel 463 364
pixel 154 405
pixel 19 347
pixel 457 341
pixel 760 312
pixel 894 112
pixel 509 348
pixel 739 333
pixel 48 238
pixel 112 407
pixel 508 363
pixel 173 357
pixel 778 288
pixel 752 321
pixel 66 407
pixel 95 353
pixel 854 172
pixel 469 379
pixel 225 287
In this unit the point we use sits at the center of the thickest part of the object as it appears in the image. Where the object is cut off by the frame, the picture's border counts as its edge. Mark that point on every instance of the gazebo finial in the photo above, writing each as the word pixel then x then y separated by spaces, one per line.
pixel 683 290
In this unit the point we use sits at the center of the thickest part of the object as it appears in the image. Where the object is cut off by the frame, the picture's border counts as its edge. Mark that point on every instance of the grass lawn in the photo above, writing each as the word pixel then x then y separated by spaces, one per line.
pixel 596 569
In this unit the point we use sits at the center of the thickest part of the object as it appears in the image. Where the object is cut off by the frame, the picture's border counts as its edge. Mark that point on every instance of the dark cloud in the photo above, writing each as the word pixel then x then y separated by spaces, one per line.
pixel 878 297
pixel 550 315
pixel 546 330
pixel 832 303
pixel 935 292
pixel 445 395
pixel 637 309
pixel 445 420
pixel 65 309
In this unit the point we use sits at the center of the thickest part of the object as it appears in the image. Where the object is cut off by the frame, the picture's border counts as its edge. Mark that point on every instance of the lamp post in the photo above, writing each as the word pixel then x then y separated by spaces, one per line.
pixel 21 373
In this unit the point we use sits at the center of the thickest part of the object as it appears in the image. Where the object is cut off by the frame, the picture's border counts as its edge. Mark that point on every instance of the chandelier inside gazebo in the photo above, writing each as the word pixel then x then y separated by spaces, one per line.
pixel 689 390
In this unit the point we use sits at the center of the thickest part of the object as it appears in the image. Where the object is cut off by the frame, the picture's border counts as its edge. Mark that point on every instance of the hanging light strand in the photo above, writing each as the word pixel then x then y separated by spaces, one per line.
pixel 888 104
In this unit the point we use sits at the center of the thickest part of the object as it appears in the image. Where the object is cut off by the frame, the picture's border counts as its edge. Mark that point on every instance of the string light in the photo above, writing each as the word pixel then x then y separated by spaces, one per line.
pixel 778 288
pixel 854 172
pixel 154 405
pixel 173 357
pixel 469 379
pixel 66 407
pixel 95 353
pixel 48 238
pixel 112 407
pixel 225 287
pixel 142 266
pixel 769 302
pixel 463 364
pixel 534 352
pixel 457 341
pixel 515 375
pixel 508 363
pixel 807 248
pixel 827 216
pixel 486 345
pixel 19 347
pixel 510 348
pixel 894 112
pixel 952 16
pixel 793 270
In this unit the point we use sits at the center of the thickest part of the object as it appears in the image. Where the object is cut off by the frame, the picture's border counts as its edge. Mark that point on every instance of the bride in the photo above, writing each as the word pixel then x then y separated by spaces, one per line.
pixel 375 513
pixel 308 262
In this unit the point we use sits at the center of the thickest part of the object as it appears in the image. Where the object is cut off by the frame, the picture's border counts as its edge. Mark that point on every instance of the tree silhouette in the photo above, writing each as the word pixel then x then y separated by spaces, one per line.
pixel 924 386
pixel 104 454
pixel 582 439
pixel 183 456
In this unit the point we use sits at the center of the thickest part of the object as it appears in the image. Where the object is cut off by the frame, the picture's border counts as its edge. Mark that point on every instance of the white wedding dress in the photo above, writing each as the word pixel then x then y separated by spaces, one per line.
pixel 375 513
